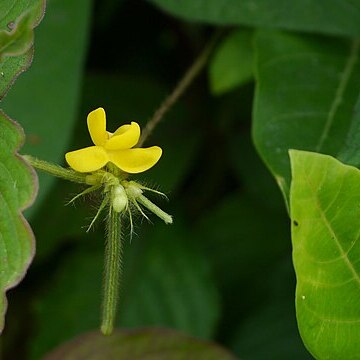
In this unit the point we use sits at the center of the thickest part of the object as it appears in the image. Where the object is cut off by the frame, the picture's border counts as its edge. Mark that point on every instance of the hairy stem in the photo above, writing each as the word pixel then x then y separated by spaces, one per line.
pixel 57 170
pixel 112 271
pixel 180 88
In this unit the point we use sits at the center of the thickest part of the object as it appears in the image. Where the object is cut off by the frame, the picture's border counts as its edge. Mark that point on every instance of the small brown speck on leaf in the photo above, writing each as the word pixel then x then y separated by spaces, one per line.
pixel 11 25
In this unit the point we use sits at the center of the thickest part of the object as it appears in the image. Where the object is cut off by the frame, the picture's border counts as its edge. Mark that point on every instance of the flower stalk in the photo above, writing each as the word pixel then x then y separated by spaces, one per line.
pixel 112 271
pixel 59 171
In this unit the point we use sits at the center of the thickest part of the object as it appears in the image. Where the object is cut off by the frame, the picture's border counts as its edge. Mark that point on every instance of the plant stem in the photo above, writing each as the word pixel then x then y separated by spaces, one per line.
pixel 57 170
pixel 180 88
pixel 112 271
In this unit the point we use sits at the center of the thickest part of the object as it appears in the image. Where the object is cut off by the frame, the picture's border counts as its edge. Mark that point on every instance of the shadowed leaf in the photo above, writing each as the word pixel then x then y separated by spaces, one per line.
pixel 306 91
pixel 331 16
pixel 232 62
pixel 139 344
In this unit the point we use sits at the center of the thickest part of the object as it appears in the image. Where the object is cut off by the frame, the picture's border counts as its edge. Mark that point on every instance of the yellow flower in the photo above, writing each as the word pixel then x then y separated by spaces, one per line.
pixel 115 148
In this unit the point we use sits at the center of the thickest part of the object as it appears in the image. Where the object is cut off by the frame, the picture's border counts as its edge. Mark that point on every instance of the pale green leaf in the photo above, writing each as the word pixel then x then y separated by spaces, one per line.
pixel 18 185
pixel 306 90
pixel 160 344
pixel 232 62
pixel 323 16
pixel 325 215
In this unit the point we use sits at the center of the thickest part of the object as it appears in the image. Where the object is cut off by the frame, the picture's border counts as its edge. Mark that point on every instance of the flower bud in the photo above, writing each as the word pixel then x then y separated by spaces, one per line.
pixel 119 198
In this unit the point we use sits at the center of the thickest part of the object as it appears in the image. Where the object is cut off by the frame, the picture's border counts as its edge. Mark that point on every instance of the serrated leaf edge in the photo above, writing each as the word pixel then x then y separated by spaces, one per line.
pixel 27 226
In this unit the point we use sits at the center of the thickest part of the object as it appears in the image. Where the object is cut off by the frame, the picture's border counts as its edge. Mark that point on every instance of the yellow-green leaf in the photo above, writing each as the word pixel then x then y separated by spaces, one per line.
pixel 325 215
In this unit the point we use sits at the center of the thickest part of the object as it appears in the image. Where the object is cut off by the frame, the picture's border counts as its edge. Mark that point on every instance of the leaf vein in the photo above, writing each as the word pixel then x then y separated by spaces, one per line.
pixel 344 80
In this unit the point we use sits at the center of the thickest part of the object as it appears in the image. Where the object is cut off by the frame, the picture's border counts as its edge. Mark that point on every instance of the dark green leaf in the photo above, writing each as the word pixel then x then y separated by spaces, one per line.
pixel 166 283
pixel 325 215
pixel 350 153
pixel 232 62
pixel 307 88
pixel 323 16
pixel 139 344
pixel 271 328
pixel 18 185
pixel 176 277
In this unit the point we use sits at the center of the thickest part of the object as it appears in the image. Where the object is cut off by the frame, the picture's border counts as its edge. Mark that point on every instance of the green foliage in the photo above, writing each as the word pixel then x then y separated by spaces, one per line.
pixel 271 327
pixel 325 212
pixel 166 283
pixel 232 63
pixel 307 88
pixel 350 153
pixel 17 20
pixel 49 114
pixel 18 185
pixel 141 344
pixel 19 39
pixel 222 271
pixel 324 16
pixel 18 182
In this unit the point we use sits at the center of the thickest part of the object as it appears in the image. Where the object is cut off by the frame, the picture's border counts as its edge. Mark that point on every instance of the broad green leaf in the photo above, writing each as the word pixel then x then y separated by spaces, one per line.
pixel 17 20
pixel 166 283
pixel 48 115
pixel 232 62
pixel 324 16
pixel 176 276
pixel 232 224
pixel 306 90
pixel 139 344
pixel 325 215
pixel 18 185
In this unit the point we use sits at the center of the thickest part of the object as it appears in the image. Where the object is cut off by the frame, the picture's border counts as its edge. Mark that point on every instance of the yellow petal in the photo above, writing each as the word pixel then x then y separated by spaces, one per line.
pixel 96 122
pixel 125 137
pixel 88 159
pixel 135 160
